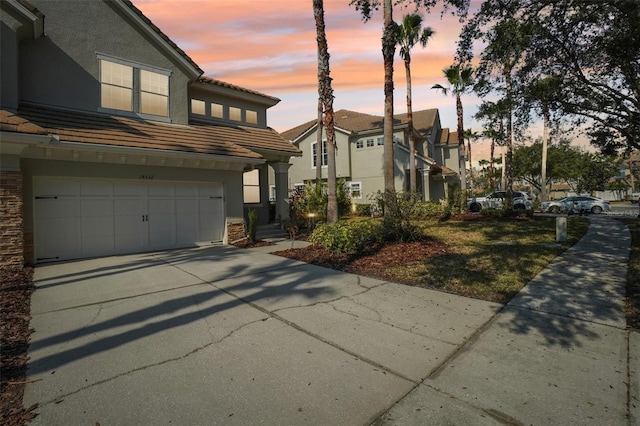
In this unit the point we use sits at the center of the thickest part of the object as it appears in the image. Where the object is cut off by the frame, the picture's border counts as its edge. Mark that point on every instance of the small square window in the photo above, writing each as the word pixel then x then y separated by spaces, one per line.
pixel 252 116
pixel 355 190
pixel 217 111
pixel 369 143
pixel 359 144
pixel 235 114
pixel 380 141
pixel 197 106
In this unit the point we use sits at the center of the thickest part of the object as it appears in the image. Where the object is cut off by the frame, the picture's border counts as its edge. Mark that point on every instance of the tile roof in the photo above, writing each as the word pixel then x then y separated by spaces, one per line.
pixel 448 137
pixel 215 82
pixel 75 126
pixel 356 122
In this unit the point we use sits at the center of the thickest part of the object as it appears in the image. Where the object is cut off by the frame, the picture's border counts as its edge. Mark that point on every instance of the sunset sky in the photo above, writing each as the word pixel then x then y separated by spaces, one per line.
pixel 270 46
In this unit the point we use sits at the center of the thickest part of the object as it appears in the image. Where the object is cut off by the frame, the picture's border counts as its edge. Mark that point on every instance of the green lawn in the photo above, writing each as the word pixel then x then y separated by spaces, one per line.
pixel 489 259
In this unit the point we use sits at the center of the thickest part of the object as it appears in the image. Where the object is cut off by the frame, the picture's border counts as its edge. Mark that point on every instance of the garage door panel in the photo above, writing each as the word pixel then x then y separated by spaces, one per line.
pixel 186 220
pixel 129 189
pixel 161 190
pixel 48 187
pixel 161 223
pixel 96 208
pixel 210 190
pixel 131 230
pixel 210 220
pixel 96 188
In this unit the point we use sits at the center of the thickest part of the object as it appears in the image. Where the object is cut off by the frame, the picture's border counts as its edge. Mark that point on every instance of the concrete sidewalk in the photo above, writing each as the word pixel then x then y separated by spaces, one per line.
pixel 558 353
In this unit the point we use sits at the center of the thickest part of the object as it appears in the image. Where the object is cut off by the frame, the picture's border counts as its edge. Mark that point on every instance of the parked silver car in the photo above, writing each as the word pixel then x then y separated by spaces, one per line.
pixel 576 204
pixel 495 200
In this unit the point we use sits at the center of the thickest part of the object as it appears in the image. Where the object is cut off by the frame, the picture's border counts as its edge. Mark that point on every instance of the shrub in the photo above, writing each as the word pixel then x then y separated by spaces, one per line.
pixel 347 236
pixel 399 209
pixel 456 203
pixel 314 200
pixel 427 209
pixel 363 209
pixel 253 224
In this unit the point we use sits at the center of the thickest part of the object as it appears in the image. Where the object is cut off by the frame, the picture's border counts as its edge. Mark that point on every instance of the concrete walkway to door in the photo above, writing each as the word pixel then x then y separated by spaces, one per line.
pixel 221 335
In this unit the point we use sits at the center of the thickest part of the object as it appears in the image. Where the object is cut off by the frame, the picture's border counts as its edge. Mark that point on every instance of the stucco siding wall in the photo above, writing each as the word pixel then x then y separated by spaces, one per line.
pixel 302 167
pixel 62 68
pixel 9 27
pixel 232 181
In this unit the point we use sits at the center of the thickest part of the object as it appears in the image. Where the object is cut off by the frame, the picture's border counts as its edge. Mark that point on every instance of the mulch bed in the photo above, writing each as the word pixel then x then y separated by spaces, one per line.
pixel 373 262
pixel 247 243
pixel 16 288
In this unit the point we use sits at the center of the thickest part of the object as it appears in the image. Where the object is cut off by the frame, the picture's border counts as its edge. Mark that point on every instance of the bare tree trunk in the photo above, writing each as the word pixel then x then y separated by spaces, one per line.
pixel 491 167
pixel 545 142
pixel 470 163
pixel 463 163
pixel 509 159
pixel 325 92
pixel 412 139
pixel 388 52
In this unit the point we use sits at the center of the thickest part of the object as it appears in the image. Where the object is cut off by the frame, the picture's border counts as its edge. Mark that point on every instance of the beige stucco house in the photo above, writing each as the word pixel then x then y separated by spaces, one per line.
pixel 112 141
pixel 359 155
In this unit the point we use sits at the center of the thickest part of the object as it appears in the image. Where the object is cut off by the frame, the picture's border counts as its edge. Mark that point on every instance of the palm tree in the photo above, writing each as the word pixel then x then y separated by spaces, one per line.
pixel 388 52
pixel 408 34
pixel 325 93
pixel 460 82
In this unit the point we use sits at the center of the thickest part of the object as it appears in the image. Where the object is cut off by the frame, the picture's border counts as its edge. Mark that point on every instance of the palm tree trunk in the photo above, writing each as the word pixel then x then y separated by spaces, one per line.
pixel 463 163
pixel 325 92
pixel 319 143
pixel 412 139
pixel 470 164
pixel 491 168
pixel 388 52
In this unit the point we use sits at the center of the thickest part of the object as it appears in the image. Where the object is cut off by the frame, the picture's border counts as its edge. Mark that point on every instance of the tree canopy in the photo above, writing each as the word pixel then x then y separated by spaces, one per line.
pixel 591 50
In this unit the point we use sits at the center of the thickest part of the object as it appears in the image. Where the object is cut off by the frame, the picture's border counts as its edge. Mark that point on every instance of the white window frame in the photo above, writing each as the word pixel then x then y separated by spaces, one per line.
pixel 359 144
pixel 370 143
pixel 251 185
pixel 380 141
pixel 136 91
pixel 272 193
pixel 325 155
pixel 299 187
pixel 351 190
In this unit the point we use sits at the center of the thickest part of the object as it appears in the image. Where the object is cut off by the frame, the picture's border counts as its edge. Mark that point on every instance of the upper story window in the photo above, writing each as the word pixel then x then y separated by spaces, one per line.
pixel 370 143
pixel 325 156
pixel 251 116
pixel 217 111
pixel 235 114
pixel 116 86
pixel 359 144
pixel 197 106
pixel 131 87
pixel 380 141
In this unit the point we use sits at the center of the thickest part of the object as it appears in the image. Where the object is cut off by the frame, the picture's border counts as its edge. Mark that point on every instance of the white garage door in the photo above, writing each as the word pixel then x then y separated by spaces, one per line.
pixel 77 218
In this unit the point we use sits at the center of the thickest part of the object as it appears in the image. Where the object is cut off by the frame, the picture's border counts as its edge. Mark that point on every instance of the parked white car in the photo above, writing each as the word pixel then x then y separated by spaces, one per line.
pixel 495 200
pixel 576 204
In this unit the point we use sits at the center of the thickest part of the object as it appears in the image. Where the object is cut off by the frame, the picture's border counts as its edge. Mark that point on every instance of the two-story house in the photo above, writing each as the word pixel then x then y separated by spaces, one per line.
pixel 359 154
pixel 112 141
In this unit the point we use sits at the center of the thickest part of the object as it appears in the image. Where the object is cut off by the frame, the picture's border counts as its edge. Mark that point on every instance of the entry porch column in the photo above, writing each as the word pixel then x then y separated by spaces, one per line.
pixel 282 189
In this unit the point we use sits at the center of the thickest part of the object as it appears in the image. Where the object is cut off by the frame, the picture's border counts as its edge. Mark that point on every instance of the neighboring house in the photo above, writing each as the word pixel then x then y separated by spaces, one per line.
pixel 112 141
pixel 359 154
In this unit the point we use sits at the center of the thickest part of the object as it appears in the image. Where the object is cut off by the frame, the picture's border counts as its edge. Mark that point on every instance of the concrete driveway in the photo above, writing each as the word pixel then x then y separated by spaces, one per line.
pixel 224 335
